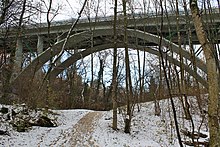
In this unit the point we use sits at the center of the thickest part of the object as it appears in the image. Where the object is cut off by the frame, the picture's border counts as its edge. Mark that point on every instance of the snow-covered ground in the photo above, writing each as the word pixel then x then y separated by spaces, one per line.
pixel 147 130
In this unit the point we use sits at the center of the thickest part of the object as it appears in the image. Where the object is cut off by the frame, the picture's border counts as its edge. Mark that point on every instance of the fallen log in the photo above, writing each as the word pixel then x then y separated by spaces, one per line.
pixel 199 143
pixel 194 135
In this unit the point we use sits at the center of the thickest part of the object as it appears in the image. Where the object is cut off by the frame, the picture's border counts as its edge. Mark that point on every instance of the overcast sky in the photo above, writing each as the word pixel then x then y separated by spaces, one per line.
pixel 70 8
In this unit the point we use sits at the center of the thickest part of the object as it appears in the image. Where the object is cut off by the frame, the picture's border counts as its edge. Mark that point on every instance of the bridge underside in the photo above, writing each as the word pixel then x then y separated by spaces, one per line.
pixel 29 43
pixel 104 40
pixel 150 24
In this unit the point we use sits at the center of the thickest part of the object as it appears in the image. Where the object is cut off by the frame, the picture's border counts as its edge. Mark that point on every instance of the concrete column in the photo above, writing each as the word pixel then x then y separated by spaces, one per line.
pixel 40 49
pixel 17 59
pixel 18 55
pixel 40 44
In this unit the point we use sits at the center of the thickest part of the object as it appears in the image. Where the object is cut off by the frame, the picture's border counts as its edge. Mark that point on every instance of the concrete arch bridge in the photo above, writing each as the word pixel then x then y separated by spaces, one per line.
pixel 103 40
pixel 142 35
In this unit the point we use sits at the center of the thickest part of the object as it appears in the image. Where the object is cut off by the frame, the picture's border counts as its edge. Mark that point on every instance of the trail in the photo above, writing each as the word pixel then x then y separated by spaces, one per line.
pixel 81 135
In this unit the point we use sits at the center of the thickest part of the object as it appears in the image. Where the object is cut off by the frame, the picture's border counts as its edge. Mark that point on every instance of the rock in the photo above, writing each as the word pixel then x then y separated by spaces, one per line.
pixel 21 118
pixel 44 121
pixel 4 110
pixel 4 132
pixel 21 125
pixel 13 113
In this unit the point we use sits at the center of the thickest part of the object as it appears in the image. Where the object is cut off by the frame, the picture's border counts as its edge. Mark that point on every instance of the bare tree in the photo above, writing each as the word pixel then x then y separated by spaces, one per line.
pixel 166 78
pixel 212 73
pixel 114 76
pixel 129 93
pixel 6 4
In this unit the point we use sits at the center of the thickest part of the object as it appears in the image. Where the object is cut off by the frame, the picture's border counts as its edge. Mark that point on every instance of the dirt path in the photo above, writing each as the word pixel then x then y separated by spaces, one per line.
pixel 82 132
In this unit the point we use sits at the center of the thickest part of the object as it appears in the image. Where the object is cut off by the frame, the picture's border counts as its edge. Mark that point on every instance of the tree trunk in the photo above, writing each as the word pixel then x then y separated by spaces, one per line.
pixel 166 78
pixel 212 73
pixel 129 93
pixel 114 77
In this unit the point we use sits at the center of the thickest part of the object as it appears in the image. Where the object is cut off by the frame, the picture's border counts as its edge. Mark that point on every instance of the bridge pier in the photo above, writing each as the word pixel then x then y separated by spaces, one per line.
pixel 40 44
pixel 18 57
pixel 40 49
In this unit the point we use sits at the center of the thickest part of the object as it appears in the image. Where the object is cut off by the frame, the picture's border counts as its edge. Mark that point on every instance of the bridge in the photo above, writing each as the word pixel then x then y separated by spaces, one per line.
pixel 142 35
pixel 146 23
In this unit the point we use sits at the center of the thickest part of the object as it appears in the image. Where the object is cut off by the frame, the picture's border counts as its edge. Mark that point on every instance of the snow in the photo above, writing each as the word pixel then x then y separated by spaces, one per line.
pixel 42 136
pixel 147 130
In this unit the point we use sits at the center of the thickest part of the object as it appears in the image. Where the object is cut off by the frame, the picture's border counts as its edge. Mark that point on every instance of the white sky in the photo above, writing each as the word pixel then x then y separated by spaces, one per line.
pixel 70 8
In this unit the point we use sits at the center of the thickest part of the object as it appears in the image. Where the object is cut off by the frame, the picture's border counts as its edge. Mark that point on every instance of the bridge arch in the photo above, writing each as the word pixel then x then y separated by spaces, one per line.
pixel 75 57
pixel 77 38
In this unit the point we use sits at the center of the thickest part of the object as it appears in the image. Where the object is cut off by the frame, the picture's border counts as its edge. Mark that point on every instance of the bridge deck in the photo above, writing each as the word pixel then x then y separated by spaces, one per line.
pixel 149 24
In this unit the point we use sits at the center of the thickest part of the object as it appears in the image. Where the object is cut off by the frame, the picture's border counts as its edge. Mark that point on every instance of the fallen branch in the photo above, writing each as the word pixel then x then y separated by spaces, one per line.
pixel 189 143
pixel 196 135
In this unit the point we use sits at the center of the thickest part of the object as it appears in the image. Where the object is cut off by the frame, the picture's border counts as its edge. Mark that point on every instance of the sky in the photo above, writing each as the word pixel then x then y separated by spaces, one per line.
pixel 70 8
